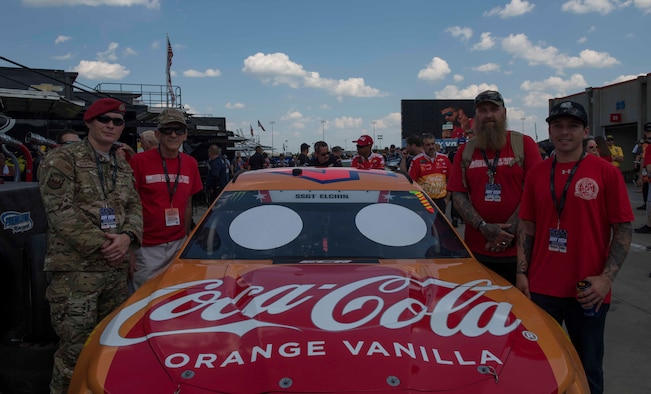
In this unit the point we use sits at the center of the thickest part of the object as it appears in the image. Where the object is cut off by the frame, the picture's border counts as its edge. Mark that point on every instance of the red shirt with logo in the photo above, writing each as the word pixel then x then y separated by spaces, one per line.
pixel 374 162
pixel 509 176
pixel 596 199
pixel 431 173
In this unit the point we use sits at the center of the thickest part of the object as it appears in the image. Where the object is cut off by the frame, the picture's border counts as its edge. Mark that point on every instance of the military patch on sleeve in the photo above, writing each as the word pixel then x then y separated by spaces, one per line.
pixel 55 181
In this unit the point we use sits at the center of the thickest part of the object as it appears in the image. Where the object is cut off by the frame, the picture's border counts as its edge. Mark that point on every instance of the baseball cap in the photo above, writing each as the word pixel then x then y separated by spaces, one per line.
pixel 492 96
pixel 171 115
pixel 610 137
pixel 104 106
pixel 364 140
pixel 568 108
pixel 647 126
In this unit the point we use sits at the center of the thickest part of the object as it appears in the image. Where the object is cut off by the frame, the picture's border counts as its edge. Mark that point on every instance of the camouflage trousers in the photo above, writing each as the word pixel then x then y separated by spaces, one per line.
pixel 78 302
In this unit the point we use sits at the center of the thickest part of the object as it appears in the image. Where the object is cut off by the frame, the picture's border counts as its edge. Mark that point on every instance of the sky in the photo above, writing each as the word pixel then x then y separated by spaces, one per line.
pixel 336 69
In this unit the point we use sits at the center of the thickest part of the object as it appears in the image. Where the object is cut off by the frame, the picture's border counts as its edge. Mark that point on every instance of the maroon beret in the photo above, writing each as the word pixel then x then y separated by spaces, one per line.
pixel 103 106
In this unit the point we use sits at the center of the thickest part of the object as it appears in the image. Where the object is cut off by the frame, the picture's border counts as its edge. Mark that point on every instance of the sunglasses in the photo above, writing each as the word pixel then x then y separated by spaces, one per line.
pixel 609 139
pixel 106 119
pixel 362 146
pixel 592 146
pixel 448 113
pixel 490 96
pixel 169 130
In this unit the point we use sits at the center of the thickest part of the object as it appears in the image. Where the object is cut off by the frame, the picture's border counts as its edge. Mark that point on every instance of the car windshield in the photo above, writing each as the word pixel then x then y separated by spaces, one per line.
pixel 299 225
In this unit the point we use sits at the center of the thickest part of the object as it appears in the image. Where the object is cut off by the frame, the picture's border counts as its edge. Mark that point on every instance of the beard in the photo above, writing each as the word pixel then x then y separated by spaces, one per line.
pixel 491 136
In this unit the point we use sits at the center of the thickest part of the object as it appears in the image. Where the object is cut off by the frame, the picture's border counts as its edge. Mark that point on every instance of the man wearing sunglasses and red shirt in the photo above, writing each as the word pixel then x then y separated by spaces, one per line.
pixel 94 215
pixel 166 180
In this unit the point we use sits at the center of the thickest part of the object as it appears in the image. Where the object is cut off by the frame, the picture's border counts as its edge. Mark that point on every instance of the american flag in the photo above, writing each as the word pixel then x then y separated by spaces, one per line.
pixel 170 55
pixel 260 126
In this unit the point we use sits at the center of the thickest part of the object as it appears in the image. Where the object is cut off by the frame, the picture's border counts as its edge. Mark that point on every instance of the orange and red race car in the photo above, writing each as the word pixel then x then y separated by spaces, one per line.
pixel 309 280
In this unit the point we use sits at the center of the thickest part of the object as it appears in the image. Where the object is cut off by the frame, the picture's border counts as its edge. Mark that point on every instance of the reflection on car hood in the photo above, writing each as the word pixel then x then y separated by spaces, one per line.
pixel 363 327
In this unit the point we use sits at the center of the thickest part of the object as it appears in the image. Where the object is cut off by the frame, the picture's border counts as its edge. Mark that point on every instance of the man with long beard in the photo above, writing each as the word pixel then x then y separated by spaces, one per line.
pixel 487 185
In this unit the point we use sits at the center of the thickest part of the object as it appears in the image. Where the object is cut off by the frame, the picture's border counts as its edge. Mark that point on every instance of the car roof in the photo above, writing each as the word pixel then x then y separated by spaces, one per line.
pixel 315 178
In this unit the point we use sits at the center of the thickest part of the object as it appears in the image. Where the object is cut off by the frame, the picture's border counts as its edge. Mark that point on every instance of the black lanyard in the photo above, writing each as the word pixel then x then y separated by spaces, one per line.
pixel 171 190
pixel 492 168
pixel 559 206
pixel 100 173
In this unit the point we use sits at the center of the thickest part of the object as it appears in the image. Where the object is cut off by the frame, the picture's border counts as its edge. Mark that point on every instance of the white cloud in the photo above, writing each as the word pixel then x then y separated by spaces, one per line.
pixel 603 7
pixel 292 115
pixel 582 40
pixel 538 92
pixel 644 5
pixel 557 84
pixel 488 67
pixel 278 69
pixel 130 52
pixel 62 57
pixel 210 72
pixel 457 78
pixel 623 78
pixel 486 42
pixel 393 121
pixel 463 33
pixel 435 71
pixel 347 122
pixel 61 39
pixel 230 105
pixel 109 54
pixel 155 45
pixel 513 9
pixel 99 70
pixel 518 45
pixel 151 4
pixel 451 91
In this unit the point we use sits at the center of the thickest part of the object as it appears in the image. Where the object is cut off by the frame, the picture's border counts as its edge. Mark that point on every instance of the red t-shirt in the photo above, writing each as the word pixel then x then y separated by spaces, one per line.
pixel 374 162
pixel 596 198
pixel 647 155
pixel 154 194
pixel 509 176
pixel 431 173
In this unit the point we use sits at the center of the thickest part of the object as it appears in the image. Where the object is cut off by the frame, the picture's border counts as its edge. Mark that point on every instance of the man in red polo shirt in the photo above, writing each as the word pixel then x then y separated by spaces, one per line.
pixel 431 170
pixel 365 158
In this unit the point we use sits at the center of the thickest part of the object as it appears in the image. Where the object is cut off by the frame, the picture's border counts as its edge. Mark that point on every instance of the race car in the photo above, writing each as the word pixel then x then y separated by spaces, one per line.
pixel 327 280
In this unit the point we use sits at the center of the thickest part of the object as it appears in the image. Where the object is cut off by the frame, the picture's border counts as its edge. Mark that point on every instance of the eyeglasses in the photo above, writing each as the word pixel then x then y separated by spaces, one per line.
pixel 105 119
pixel 169 130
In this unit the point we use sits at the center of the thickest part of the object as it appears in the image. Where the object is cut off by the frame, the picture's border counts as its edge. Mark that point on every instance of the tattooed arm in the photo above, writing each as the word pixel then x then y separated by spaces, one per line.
pixel 525 238
pixel 601 284
pixel 495 233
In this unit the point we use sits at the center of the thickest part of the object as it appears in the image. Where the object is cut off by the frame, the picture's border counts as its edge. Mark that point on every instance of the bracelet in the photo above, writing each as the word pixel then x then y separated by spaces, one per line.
pixel 521 272
pixel 480 225
pixel 132 236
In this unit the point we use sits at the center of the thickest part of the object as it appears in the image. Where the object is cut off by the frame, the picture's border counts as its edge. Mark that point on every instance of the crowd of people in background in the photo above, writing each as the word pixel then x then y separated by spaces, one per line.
pixel 494 179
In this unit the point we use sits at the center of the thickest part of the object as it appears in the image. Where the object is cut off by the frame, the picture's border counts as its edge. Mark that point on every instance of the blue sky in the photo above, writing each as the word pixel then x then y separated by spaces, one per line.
pixel 348 63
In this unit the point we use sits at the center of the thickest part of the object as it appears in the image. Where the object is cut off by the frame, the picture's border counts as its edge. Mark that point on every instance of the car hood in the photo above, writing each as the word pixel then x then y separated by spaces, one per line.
pixel 324 327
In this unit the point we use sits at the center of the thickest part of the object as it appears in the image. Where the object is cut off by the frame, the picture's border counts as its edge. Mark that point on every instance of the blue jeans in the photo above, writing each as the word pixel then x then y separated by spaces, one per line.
pixel 585 332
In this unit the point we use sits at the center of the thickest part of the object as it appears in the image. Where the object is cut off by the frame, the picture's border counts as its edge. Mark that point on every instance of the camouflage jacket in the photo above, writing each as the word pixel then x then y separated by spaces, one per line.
pixel 73 196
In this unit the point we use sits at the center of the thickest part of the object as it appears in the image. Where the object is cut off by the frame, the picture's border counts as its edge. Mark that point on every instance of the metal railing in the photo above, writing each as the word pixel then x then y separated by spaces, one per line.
pixel 149 95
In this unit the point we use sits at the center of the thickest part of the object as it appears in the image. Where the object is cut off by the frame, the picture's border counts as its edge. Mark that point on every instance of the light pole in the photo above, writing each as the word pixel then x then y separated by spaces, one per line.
pixel 272 137
pixel 285 147
pixel 379 138
pixel 323 130
pixel 522 119
pixel 373 123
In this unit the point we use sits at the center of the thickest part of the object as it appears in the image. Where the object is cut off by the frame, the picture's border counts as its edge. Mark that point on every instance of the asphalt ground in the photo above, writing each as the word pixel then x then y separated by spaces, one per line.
pixel 627 360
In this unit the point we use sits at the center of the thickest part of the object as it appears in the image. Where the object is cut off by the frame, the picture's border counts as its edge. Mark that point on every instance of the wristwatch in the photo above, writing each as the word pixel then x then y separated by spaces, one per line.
pixel 481 224
pixel 131 235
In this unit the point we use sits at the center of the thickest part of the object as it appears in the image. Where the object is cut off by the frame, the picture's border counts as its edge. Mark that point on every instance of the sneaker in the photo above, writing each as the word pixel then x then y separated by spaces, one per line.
pixel 641 207
pixel 643 230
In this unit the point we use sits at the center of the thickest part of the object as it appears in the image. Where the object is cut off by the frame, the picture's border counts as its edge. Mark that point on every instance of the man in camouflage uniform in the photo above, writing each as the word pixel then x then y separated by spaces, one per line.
pixel 94 215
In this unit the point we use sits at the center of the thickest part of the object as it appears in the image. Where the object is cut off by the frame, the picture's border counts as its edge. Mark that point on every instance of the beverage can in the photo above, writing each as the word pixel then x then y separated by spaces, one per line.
pixel 581 286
